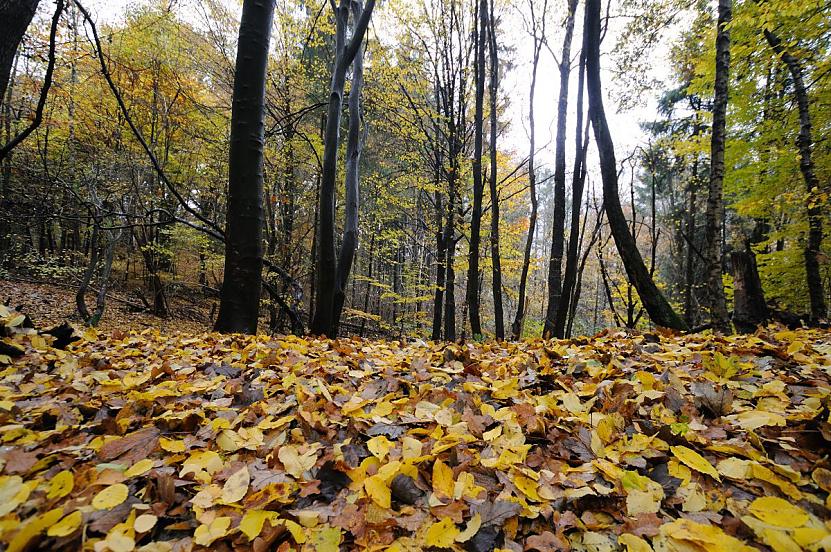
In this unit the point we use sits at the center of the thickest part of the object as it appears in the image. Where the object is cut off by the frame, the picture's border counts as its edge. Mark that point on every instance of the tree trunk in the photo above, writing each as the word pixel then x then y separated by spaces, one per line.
pixel 659 310
pixel 715 203
pixel 813 199
pixel 349 243
pixel 15 16
pixel 326 270
pixel 692 209
pixel 749 307
pixel 581 144
pixel 472 294
pixel 441 271
pixel 240 297
pixel 555 262
pixel 516 327
pixel 496 278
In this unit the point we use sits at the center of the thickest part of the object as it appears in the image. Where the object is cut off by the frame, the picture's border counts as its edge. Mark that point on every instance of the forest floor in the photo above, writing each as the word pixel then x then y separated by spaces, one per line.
pixel 164 441
pixel 51 303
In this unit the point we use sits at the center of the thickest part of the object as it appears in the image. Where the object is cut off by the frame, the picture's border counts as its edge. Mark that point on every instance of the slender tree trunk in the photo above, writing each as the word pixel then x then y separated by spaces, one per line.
pixel 353 160
pixel 239 306
pixel 450 278
pixel 516 327
pixel 814 202
pixel 324 321
pixel 715 203
pixel 441 271
pixel 472 294
pixel 581 144
pixel 659 310
pixel 496 278
pixel 692 208
pixel 555 262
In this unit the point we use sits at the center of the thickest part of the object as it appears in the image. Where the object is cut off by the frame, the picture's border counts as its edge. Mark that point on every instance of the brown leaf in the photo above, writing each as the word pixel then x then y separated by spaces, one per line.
pixel 139 444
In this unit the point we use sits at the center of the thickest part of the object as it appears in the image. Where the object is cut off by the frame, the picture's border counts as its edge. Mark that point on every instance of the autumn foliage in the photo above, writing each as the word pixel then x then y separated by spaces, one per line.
pixel 158 442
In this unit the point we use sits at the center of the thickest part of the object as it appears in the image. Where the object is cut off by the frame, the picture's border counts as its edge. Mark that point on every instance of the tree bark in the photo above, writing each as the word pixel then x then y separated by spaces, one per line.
pixel 516 327
pixel 715 203
pixel 349 243
pixel 659 310
pixel 240 296
pixel 555 263
pixel 749 307
pixel 813 201
pixel 496 277
pixel 581 144
pixel 15 16
pixel 472 293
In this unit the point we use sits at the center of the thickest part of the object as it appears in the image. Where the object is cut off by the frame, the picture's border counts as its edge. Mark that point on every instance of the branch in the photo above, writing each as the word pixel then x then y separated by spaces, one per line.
pixel 44 91
pixel 137 133
pixel 358 33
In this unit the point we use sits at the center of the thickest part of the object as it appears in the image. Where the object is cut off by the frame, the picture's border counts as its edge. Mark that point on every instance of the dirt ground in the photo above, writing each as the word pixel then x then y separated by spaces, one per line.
pixel 49 304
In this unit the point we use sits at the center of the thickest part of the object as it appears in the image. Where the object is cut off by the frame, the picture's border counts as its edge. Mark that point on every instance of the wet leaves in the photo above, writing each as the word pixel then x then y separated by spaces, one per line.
pixel 149 441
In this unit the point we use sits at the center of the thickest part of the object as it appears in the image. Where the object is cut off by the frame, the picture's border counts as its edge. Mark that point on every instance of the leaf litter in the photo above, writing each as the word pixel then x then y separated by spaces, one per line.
pixel 174 442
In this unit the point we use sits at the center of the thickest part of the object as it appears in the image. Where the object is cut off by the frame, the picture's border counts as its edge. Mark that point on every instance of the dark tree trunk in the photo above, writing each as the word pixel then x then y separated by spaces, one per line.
pixel 692 209
pixel 555 263
pixel 659 310
pixel 324 322
pixel 472 294
pixel 349 243
pixel 814 203
pixel 15 16
pixel 441 271
pixel 450 255
pixel 240 297
pixel 581 144
pixel 715 203
pixel 749 307
pixel 496 278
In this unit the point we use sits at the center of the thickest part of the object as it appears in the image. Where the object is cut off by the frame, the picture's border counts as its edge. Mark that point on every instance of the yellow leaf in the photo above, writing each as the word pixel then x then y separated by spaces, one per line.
pixel 33 527
pixel 379 446
pixel 471 529
pixel 754 419
pixel 61 485
pixel 528 486
pixel 253 521
pixel 172 445
pixel 442 534
pixel 294 462
pixel 110 497
pixel 695 461
pixel 326 539
pixel 776 511
pixel 67 525
pixel 297 532
pixel 443 479
pixel 206 534
pixel 377 489
pixel 633 543
pixel 411 448
pixel 145 523
pixel 779 541
pixel 139 468
pixel 118 540
pixel 202 465
pixel 236 486
pixel 12 493
pixel 704 537
pixel 734 468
